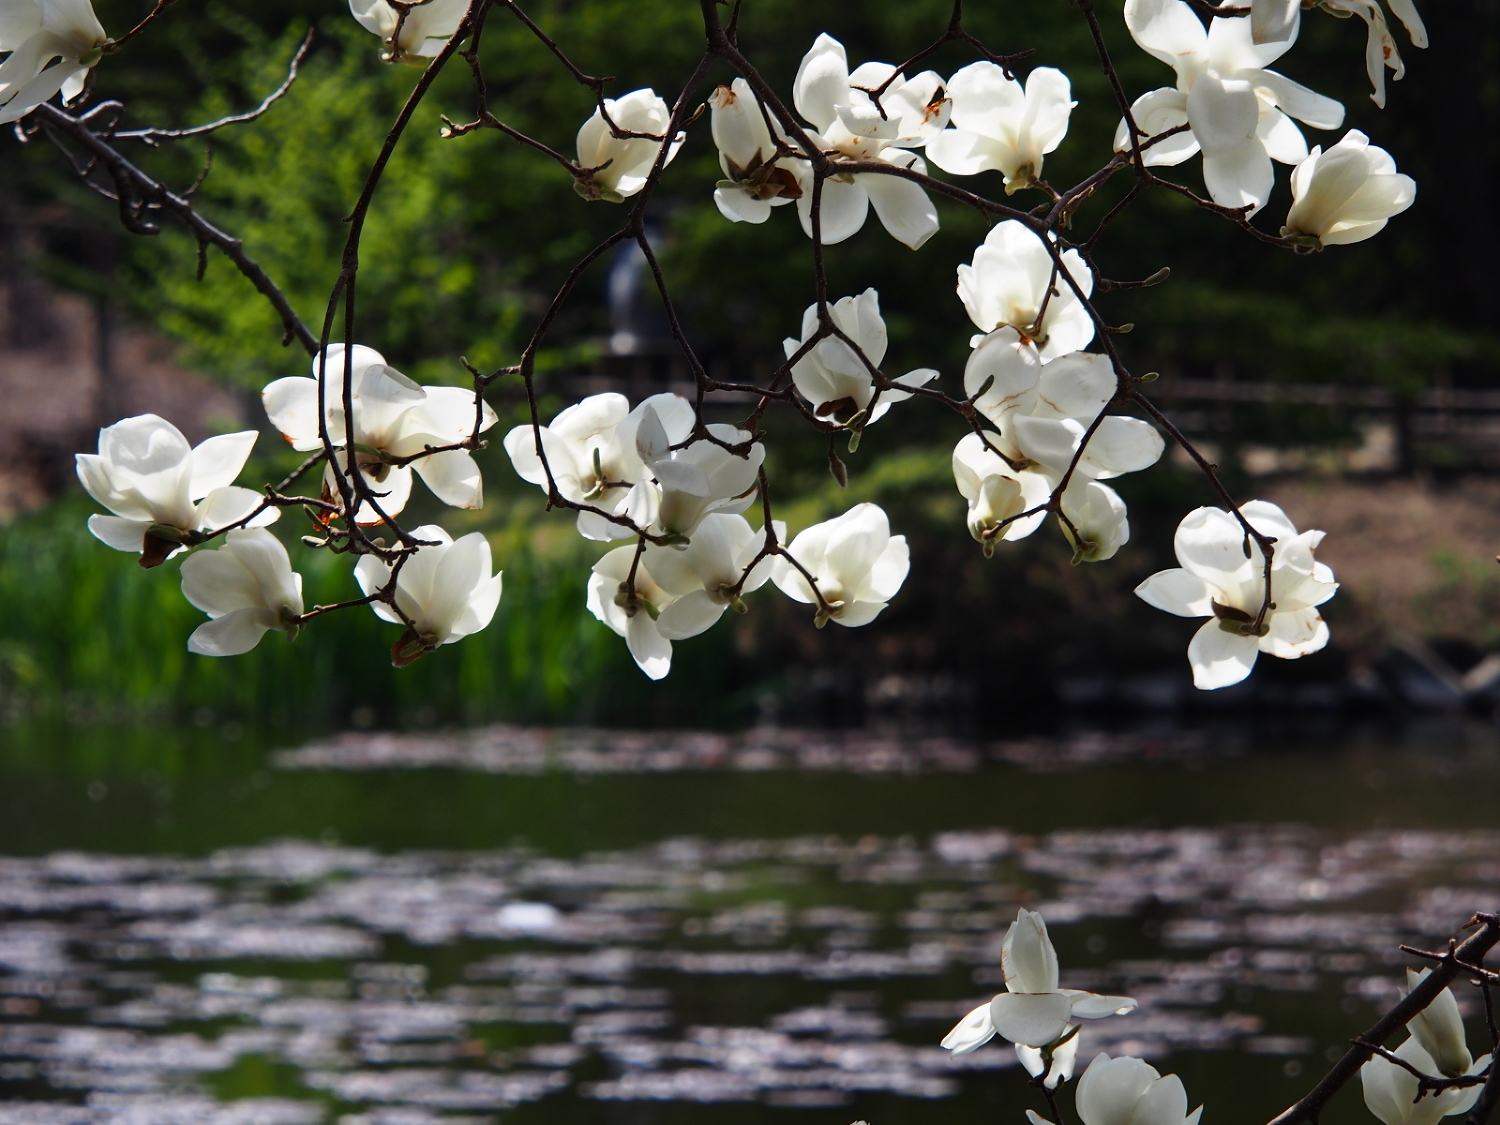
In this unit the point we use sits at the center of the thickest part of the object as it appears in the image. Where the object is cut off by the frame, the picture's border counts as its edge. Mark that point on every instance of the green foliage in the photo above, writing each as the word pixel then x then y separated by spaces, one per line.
pixel 88 632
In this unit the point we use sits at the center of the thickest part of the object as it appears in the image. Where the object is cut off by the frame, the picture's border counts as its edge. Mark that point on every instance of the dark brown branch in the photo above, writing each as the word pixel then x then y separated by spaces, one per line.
pixel 151 136
pixel 1472 949
pixel 138 193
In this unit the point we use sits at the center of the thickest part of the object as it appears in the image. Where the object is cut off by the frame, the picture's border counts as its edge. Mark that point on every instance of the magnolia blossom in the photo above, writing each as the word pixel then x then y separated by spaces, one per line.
pixel 1380 47
pixel 997 492
pixel 848 121
pixel 618 166
pixel 691 482
pixel 1128 1091
pixel 1437 1047
pixel 1236 110
pixel 1045 411
pixel 1001 125
pixel 756 180
pixel 393 418
pixel 52 45
pixel 1275 21
pixel 164 494
pixel 857 563
pixel 1008 282
pixel 445 588
pixel 1439 1030
pixel 679 592
pixel 421 35
pixel 248 587
pixel 591 449
pixel 1097 524
pixel 1222 577
pixel 833 378
pixel 1346 194
pixel 1032 1011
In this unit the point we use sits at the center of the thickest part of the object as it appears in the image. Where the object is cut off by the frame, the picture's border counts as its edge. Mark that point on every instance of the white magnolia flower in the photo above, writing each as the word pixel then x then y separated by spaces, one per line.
pixel 1128 1091
pixel 446 588
pixel 591 449
pixel 163 493
pixel 679 591
pixel 691 482
pixel 637 617
pixel 1100 518
pixel 1439 1030
pixel 856 561
pixel 1043 411
pixel 755 179
pixel 1391 1091
pixel 1007 284
pixel 1277 21
pixel 393 417
pixel 422 34
pixel 848 121
pixel 833 378
pixel 997 491
pixel 1032 1011
pixel 1237 111
pixel 1222 577
pixel 52 45
pixel 622 164
pixel 1346 194
pixel 1001 125
pixel 248 587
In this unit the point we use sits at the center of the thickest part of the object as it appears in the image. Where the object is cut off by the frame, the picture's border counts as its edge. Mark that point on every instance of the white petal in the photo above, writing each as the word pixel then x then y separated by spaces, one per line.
pixel 454 478
pixel 1305 105
pixel 217 461
pixel 1294 634
pixel 740 207
pixel 1168 30
pixel 292 406
pixel 1092 1006
pixel 1220 658
pixel 971 1032
pixel 1240 177
pixel 689 615
pixel 822 82
pixel 844 206
pixel 234 633
pixel 224 506
pixel 121 534
pixel 1178 591
pixel 1034 1020
pixel 651 651
pixel 1027 957
pixel 902 207
pixel 1110 1088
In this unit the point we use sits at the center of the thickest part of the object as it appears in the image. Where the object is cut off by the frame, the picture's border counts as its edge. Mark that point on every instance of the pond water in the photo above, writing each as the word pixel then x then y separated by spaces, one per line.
pixel 225 927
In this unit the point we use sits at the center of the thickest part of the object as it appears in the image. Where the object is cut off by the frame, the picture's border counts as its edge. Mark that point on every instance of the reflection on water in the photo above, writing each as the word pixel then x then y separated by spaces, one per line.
pixel 302 981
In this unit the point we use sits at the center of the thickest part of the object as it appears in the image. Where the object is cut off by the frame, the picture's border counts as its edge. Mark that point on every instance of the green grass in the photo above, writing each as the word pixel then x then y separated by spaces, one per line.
pixel 86 633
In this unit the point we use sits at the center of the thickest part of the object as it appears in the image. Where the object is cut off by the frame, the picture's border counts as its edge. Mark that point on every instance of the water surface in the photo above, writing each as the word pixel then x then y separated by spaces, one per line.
pixel 228 927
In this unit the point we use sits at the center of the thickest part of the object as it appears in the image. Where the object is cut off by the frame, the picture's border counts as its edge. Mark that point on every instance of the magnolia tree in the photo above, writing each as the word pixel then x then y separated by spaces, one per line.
pixel 1047 414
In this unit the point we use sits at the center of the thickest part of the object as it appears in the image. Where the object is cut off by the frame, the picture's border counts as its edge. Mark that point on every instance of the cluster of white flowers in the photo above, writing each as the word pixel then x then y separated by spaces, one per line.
pixel 1041 1020
pixel 167 498
pixel 1046 428
pixel 647 474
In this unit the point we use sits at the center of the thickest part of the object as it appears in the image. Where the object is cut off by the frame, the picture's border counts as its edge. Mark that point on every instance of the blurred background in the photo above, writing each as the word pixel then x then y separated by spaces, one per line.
pixel 517 880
